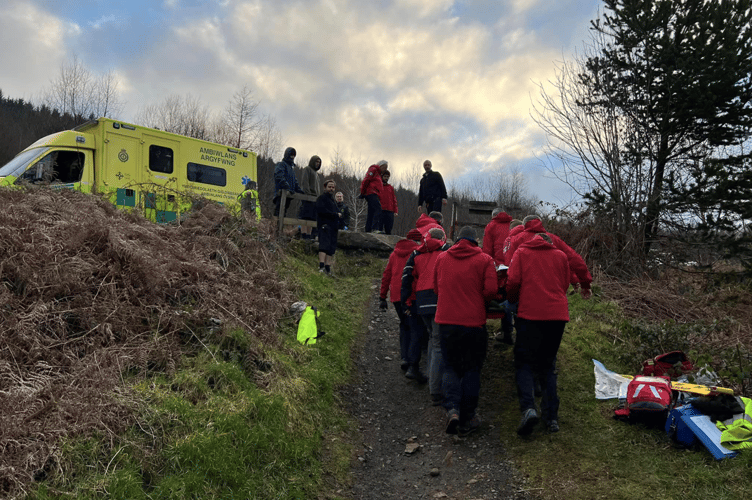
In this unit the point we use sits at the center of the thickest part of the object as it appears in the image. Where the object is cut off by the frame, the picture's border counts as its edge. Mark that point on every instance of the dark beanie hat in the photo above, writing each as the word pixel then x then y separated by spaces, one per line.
pixel 468 233
pixel 414 235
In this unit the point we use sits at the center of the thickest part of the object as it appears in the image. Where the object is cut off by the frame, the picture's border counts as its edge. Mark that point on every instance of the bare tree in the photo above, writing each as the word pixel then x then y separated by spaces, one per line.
pixel 240 119
pixel 350 174
pixel 107 101
pixel 588 136
pixel 507 186
pixel 268 138
pixel 409 178
pixel 71 92
pixel 185 116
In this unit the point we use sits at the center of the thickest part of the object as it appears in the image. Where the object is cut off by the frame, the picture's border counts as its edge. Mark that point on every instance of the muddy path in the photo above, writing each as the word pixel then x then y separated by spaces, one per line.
pixel 405 452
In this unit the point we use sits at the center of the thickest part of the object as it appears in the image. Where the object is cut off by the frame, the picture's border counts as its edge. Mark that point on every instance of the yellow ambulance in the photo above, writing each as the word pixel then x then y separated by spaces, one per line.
pixel 136 168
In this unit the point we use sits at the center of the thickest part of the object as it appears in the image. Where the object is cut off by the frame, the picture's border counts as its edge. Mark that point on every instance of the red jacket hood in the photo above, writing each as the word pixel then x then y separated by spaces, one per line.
pixel 516 230
pixel 538 243
pixel 430 244
pixel 405 247
pixel 534 226
pixel 464 249
pixel 425 223
pixel 502 218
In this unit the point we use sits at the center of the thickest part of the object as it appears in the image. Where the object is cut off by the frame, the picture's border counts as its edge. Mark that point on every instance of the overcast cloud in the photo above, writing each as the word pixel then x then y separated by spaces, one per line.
pixel 402 80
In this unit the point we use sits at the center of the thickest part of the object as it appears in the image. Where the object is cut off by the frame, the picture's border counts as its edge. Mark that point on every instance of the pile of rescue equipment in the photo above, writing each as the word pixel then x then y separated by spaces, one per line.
pixel 693 414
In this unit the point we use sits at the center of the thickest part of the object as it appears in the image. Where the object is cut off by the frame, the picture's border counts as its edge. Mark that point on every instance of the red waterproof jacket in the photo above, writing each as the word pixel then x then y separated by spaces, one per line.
pixel 538 278
pixel 464 278
pixel 391 280
pixel 495 235
pixel 388 199
pixel 508 242
pixel 372 182
pixel 417 277
pixel 580 273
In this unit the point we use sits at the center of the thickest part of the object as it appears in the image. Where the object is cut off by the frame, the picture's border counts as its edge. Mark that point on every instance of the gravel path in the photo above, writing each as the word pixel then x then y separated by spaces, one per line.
pixel 405 452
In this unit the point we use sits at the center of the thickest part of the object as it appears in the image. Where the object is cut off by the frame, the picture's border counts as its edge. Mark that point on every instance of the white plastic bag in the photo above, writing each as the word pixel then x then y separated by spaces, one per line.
pixel 607 383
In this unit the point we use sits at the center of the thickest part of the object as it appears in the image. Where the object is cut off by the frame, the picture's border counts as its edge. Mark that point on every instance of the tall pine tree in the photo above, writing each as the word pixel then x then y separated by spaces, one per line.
pixel 682 71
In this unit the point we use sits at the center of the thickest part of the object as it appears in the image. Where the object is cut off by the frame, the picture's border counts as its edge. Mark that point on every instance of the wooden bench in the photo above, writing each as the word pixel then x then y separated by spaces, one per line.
pixel 290 221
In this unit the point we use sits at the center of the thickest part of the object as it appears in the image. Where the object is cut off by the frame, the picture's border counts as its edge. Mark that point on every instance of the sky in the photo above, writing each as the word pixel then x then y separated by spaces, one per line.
pixel 453 81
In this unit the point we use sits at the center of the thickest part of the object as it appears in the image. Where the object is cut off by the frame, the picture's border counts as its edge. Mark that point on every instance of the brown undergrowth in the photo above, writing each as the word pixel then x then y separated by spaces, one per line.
pixel 690 311
pixel 90 295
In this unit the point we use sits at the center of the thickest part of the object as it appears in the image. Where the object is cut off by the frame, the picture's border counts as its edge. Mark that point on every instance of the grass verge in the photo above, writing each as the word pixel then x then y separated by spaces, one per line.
pixel 210 430
pixel 595 456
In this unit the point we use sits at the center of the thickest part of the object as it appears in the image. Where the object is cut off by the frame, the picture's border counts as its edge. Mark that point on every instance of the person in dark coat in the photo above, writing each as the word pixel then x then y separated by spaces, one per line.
pixel 311 183
pixel 464 279
pixel 344 212
pixel 538 278
pixel 432 190
pixel 328 226
pixel 284 178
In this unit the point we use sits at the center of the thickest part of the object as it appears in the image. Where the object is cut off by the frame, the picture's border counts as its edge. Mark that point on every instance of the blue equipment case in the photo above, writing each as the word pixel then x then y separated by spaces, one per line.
pixel 689 425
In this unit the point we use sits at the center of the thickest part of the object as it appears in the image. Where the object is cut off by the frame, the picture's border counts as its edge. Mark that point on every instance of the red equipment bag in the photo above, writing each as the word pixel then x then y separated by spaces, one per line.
pixel 648 400
pixel 672 364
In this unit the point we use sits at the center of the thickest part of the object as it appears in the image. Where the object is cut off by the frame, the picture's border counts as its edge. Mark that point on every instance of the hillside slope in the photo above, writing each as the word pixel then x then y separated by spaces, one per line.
pixel 89 294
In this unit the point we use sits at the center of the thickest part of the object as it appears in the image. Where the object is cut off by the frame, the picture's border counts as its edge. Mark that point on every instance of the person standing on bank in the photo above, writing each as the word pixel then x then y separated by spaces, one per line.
pixel 328 226
pixel 388 204
pixel 432 190
pixel 344 211
pixel 370 189
pixel 312 184
pixel 284 178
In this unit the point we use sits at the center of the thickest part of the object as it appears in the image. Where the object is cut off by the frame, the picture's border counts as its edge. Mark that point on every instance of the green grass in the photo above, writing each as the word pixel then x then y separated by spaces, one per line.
pixel 211 431
pixel 595 456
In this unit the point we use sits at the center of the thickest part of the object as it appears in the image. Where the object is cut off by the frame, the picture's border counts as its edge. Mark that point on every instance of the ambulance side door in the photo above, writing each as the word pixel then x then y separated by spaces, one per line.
pixel 161 172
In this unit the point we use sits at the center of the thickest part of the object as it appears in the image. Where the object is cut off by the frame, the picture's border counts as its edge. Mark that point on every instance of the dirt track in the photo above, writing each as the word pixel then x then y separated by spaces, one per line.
pixel 392 411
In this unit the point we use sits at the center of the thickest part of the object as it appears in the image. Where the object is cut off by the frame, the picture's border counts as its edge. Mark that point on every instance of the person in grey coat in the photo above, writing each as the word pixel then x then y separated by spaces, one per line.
pixel 313 185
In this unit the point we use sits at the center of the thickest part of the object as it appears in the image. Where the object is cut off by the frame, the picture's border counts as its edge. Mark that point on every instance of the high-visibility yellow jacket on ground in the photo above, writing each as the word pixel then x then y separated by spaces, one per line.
pixel 307 327
pixel 736 432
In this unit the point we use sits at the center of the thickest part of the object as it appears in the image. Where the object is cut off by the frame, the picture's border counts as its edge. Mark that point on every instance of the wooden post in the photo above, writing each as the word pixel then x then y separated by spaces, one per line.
pixel 282 205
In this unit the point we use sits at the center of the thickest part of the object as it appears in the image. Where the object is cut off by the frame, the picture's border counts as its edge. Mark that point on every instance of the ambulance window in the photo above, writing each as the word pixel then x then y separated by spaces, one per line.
pixel 160 159
pixel 207 175
pixel 64 167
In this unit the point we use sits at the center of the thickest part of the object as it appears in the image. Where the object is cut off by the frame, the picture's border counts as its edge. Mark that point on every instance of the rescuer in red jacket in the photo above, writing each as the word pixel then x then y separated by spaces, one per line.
pixel 464 279
pixel 391 281
pixel 495 233
pixel 494 236
pixel 580 274
pixel 388 204
pixel 538 278
pixel 370 189
pixel 417 282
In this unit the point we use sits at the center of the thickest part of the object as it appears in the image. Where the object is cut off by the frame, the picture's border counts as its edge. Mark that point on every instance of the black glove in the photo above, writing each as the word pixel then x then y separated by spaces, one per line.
pixel 406 309
pixel 382 304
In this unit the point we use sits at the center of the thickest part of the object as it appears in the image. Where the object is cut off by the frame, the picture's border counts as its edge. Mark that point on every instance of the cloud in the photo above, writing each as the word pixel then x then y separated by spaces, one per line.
pixel 28 34
pixel 402 80
pixel 104 21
